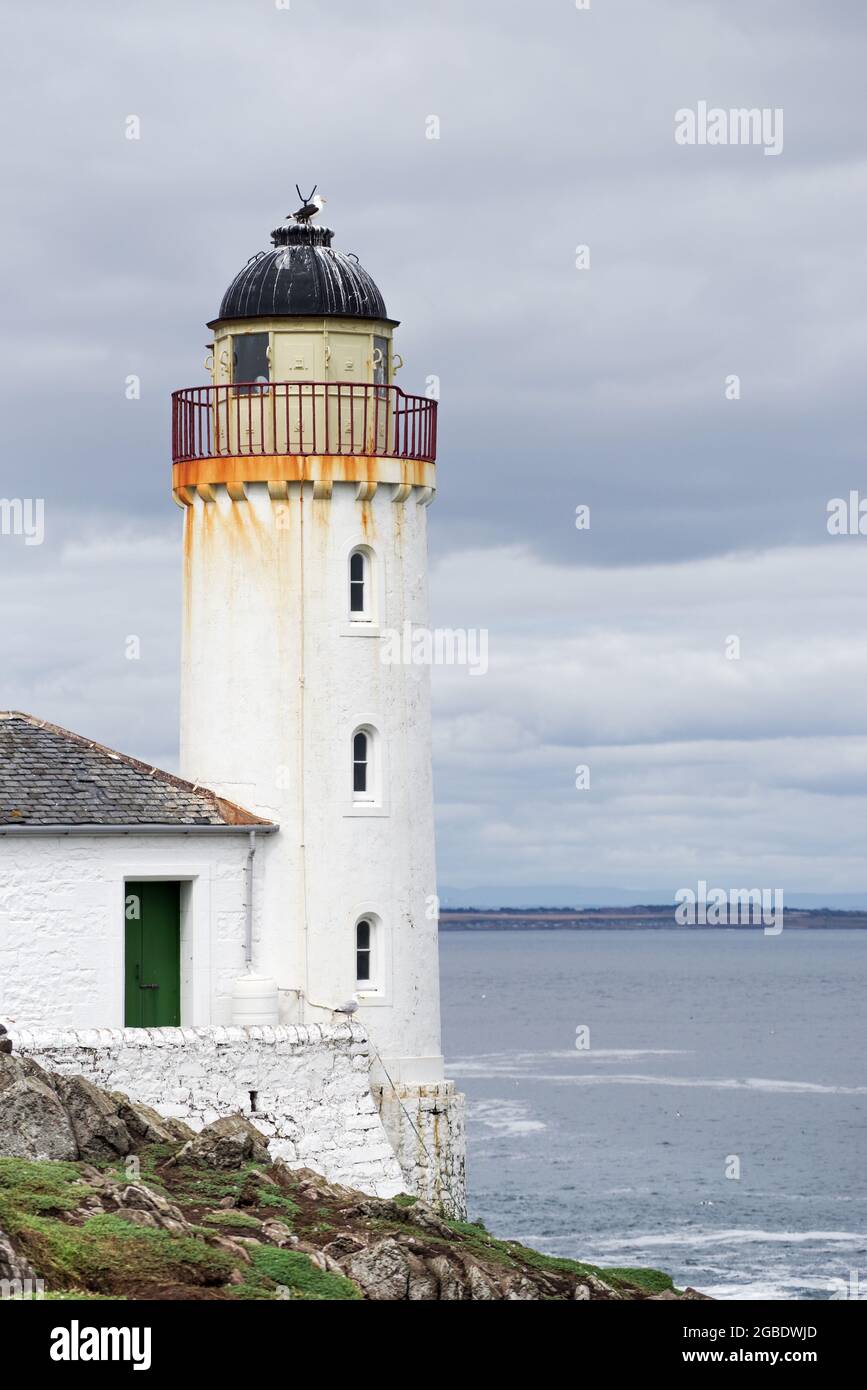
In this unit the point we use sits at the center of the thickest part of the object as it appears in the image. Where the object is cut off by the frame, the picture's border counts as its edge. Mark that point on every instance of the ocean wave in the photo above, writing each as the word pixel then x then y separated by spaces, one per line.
pixel 518 1064
pixel 730 1236
pixel 762 1084
pixel 504 1117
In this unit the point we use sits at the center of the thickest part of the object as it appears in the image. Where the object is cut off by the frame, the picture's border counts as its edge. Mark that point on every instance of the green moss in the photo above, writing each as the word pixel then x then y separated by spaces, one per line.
pixel 30 1187
pixel 107 1250
pixel 278 1202
pixel 234 1218
pixel 403 1199
pixel 197 1183
pixel 653 1280
pixel 298 1273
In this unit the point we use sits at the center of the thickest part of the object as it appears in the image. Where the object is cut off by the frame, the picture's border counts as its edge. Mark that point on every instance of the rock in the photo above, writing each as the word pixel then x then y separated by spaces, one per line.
pixel 479 1286
pixel 232 1247
pixel 33 1121
pixel 6 1046
pixel 99 1130
pixel 179 1129
pixel 343 1245
pixel 227 1143
pixel 423 1286
pixel 382 1271
pixel 143 1206
pixel 449 1283
pixel 145 1125
pixel 275 1233
pixel 325 1262
pixel 14 1267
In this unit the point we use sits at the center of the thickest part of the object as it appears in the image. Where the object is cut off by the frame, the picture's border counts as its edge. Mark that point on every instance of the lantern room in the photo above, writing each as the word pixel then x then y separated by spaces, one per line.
pixel 302 363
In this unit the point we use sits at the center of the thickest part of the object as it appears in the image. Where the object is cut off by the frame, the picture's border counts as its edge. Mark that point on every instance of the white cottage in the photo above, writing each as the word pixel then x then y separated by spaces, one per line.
pixel 214 926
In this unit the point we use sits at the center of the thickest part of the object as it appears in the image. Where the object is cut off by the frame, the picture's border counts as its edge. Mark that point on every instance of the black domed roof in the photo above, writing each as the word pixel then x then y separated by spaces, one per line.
pixel 302 275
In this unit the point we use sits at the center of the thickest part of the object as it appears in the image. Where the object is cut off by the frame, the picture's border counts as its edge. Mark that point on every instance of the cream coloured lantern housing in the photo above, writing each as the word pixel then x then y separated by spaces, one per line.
pixel 305 475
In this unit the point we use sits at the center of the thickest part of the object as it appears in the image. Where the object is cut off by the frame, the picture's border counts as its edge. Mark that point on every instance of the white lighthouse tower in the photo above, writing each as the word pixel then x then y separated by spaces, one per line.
pixel 306 475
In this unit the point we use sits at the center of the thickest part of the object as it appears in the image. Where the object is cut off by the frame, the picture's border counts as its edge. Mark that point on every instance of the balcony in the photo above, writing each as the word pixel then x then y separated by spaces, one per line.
pixel 291 418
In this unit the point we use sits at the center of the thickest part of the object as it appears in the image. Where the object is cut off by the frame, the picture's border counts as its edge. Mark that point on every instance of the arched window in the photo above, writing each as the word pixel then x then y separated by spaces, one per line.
pixel 361 592
pixel 364 951
pixel 361 769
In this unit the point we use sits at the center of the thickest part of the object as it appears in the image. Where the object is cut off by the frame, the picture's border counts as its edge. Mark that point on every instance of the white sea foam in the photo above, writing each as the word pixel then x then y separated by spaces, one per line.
pixel 721 1083
pixel 773 1289
pixel 732 1236
pixel 504 1117
pixel 489 1065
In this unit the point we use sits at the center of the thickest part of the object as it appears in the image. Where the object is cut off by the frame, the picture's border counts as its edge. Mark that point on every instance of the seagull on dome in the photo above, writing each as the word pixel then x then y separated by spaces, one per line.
pixel 310 205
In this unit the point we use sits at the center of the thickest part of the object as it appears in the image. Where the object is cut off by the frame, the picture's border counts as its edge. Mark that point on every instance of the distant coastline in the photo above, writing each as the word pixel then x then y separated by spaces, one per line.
pixel 651 917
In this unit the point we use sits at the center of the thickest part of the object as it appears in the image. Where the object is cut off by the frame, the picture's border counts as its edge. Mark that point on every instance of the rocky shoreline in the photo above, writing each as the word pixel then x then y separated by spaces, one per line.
pixel 100 1197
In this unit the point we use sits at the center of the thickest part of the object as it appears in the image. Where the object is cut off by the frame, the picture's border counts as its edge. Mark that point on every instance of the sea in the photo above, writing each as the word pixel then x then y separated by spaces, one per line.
pixel 692 1100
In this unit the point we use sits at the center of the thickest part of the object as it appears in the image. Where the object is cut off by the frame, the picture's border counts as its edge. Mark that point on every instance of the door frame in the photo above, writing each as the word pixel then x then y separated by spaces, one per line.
pixel 195 934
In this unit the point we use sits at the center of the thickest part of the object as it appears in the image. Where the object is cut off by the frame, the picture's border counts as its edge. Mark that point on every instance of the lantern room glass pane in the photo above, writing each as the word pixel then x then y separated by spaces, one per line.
pixel 380 362
pixel 250 357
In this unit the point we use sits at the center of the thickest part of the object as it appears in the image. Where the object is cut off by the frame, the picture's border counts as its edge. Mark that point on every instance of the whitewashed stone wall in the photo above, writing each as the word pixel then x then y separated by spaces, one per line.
pixel 425 1125
pixel 306 1088
pixel 62 923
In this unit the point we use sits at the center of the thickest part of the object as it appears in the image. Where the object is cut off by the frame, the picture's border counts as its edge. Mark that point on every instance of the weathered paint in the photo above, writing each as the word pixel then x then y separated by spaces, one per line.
pixel 236 472
pixel 275 678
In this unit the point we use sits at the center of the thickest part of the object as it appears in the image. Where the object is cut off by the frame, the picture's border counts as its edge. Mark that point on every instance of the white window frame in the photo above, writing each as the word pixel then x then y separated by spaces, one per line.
pixel 376 990
pixel 367 614
pixel 368 622
pixel 374 800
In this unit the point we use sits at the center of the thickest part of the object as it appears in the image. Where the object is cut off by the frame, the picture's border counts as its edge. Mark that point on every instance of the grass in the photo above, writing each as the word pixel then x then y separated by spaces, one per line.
pixel 29 1187
pixel 298 1273
pixel 107 1252
pixel 237 1220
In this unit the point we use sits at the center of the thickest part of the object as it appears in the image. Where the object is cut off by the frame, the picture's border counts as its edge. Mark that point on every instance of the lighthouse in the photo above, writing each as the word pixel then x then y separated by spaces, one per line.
pixel 305 474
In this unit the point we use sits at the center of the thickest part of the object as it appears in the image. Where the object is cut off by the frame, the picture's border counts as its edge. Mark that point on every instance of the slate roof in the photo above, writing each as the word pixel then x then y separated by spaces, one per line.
pixel 49 776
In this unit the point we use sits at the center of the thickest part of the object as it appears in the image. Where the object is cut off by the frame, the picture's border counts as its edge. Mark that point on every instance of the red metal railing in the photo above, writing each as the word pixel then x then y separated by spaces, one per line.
pixel 302 417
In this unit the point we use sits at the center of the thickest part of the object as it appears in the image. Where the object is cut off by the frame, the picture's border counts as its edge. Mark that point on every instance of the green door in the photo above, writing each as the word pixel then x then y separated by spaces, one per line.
pixel 152 913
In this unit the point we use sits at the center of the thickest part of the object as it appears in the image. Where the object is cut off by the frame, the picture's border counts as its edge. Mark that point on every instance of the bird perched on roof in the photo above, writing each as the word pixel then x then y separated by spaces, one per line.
pixel 310 205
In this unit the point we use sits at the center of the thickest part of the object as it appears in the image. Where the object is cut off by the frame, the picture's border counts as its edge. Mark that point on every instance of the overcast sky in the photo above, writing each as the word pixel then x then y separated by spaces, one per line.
pixel 603 386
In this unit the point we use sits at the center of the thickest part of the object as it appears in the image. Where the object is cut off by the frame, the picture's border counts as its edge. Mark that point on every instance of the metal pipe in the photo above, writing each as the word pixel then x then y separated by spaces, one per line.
pixel 248 923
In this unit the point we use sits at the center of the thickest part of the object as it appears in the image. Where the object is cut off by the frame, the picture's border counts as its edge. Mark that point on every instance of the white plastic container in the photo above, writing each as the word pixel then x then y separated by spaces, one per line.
pixel 255 1001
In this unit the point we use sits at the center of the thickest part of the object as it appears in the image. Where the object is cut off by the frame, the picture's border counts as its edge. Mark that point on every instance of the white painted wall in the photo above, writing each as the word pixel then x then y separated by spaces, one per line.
pixel 275 678
pixel 62 924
